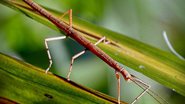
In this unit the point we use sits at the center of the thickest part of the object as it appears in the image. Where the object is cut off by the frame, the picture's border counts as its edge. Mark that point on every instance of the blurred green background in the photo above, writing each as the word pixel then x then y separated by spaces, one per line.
pixel 143 20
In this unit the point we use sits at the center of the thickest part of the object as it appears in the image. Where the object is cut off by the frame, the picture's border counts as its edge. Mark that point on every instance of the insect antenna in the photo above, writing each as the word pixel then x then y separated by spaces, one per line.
pixel 144 86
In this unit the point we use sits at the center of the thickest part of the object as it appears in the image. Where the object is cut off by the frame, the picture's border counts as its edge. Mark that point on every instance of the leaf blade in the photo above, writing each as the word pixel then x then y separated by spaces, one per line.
pixel 24 83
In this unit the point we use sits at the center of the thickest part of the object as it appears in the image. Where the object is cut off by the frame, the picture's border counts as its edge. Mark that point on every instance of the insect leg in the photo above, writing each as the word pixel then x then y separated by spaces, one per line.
pixel 118 85
pixel 72 60
pixel 99 41
pixel 70 17
pixel 47 48
pixel 79 54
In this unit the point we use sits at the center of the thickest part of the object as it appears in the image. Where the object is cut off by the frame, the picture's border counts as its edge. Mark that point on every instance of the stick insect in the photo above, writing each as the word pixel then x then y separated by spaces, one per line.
pixel 70 32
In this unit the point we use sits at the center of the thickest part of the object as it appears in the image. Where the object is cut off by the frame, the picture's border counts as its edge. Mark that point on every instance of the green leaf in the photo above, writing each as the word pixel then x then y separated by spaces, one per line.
pixel 157 64
pixel 26 84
